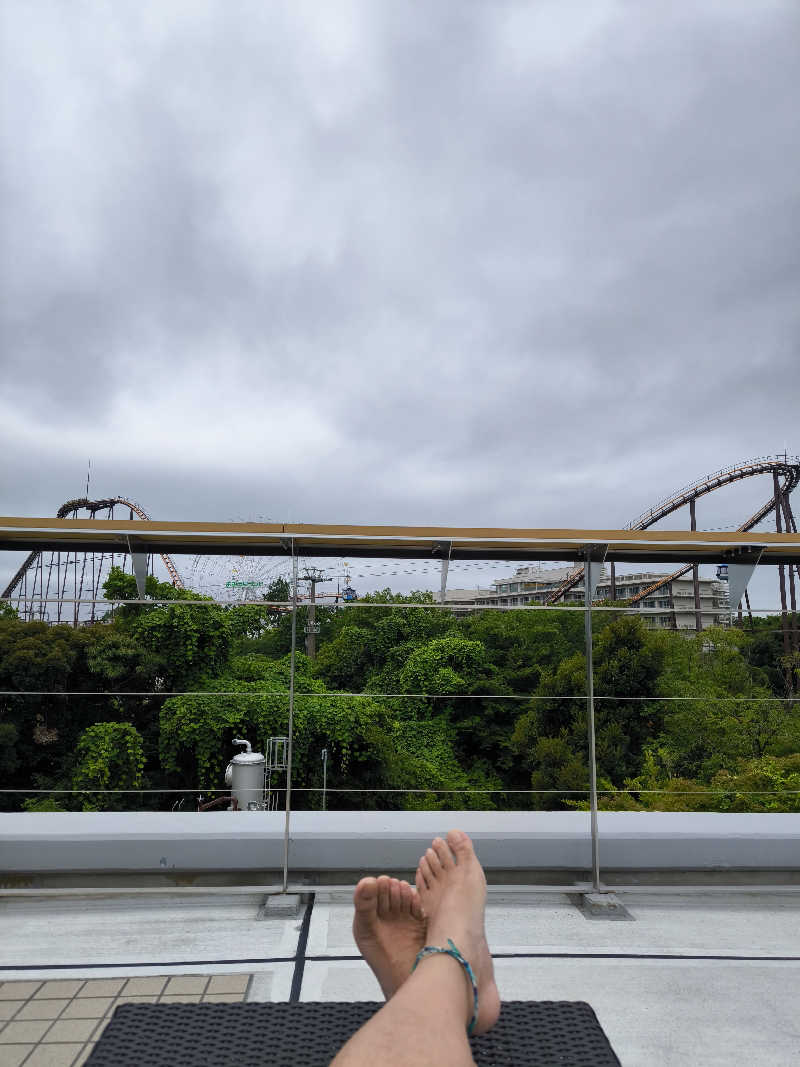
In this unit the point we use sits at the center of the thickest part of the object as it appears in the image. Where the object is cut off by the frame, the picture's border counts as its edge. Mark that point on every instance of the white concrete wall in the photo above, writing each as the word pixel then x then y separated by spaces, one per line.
pixel 164 842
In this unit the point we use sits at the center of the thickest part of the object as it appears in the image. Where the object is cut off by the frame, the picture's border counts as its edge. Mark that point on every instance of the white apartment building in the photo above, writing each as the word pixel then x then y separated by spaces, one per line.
pixel 462 600
pixel 672 607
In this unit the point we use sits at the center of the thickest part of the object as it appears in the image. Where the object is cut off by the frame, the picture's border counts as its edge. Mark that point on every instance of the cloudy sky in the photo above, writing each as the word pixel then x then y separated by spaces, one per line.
pixel 463 263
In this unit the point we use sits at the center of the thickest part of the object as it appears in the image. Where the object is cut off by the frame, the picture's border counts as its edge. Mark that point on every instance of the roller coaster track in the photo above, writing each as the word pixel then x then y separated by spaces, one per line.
pixel 785 467
pixel 72 507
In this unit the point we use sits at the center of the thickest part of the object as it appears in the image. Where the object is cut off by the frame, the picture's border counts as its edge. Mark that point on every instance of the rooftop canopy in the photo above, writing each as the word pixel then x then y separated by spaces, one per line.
pixel 395 542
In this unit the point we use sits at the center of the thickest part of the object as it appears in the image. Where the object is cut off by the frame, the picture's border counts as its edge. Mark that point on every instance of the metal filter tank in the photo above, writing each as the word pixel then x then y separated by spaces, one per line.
pixel 245 775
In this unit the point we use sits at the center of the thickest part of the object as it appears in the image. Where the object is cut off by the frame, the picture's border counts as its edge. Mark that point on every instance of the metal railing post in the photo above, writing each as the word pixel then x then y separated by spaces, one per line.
pixel 587 598
pixel 291 726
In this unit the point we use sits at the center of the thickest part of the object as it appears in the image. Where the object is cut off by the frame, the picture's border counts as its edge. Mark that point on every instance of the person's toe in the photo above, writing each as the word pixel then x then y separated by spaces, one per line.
pixel 419 879
pixel 384 895
pixel 365 897
pixel 434 863
pixel 443 852
pixel 461 845
pixel 428 876
pixel 417 909
pixel 394 896
pixel 406 897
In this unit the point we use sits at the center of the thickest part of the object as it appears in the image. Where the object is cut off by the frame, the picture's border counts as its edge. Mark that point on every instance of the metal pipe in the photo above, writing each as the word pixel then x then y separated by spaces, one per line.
pixel 787 514
pixel 587 600
pixel 785 625
pixel 229 799
pixel 291 726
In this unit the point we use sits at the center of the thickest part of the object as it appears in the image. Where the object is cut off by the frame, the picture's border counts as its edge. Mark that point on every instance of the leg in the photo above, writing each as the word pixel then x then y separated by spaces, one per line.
pixel 424 1023
pixel 425 1020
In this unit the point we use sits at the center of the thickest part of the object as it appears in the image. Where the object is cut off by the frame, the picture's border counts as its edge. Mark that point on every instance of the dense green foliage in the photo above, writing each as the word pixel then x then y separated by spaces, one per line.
pixel 110 755
pixel 416 707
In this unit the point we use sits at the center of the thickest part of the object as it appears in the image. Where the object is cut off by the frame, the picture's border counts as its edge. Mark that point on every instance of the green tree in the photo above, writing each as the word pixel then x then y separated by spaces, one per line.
pixel 186 641
pixel 110 756
pixel 346 661
pixel 443 666
pixel 37 730
pixel 722 709
pixel 765 651
pixel 522 645
pixel 251 701
pixel 627 667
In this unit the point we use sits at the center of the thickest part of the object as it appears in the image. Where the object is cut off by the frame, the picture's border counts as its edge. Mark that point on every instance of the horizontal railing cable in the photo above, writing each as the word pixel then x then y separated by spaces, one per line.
pixel 259 694
pixel 463 789
pixel 455 606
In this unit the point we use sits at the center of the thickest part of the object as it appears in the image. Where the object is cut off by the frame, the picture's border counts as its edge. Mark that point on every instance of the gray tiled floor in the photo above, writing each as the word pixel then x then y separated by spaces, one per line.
pixel 56 1023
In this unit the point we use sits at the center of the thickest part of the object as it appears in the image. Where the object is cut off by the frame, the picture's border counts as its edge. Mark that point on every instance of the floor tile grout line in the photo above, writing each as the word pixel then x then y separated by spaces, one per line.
pixel 40 1040
pixel 22 1005
pixel 99 1023
pixel 30 998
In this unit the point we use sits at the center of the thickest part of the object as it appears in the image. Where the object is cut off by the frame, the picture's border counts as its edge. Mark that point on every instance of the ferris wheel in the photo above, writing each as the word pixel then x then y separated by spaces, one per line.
pixel 235 578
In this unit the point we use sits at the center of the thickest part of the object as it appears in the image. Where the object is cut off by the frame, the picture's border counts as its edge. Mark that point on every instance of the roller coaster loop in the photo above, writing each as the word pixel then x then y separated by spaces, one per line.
pixel 60 564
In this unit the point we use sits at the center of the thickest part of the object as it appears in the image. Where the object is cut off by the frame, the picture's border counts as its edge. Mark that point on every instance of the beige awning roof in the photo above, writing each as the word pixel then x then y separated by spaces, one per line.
pixel 397 542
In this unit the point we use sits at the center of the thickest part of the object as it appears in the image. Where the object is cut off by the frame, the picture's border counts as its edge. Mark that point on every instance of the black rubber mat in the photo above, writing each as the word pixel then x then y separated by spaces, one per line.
pixel 528 1034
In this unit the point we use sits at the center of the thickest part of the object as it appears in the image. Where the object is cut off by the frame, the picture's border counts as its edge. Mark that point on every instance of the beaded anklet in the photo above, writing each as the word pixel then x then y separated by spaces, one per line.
pixel 433 950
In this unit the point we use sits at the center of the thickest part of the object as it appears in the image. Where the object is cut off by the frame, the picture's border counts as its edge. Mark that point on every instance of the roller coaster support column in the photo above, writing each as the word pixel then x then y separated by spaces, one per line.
pixel 782 583
pixel 698 616
pixel 595 554
pixel 791 527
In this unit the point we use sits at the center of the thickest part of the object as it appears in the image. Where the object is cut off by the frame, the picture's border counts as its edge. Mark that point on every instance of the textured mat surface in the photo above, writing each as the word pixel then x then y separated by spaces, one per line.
pixel 528 1034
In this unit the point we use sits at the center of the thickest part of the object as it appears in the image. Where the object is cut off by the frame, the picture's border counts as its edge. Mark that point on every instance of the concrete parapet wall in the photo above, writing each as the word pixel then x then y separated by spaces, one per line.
pixel 166 842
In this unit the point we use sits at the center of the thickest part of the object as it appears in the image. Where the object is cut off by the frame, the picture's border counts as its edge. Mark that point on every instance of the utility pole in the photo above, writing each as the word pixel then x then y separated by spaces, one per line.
pixel 313 577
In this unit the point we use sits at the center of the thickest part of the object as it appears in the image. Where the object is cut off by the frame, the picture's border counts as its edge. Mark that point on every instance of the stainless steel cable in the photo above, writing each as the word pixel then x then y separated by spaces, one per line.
pixel 258 694
pixel 463 789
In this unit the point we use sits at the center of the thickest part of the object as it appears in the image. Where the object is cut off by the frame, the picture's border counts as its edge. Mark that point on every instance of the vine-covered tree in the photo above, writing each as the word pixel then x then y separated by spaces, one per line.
pixel 110 756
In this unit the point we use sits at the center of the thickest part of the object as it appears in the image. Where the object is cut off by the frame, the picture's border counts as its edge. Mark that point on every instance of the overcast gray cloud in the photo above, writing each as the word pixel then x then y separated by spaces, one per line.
pixel 502 263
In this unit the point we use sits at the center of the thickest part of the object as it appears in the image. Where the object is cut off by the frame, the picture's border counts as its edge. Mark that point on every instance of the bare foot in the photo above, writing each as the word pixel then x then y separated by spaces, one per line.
pixel 452 889
pixel 389 928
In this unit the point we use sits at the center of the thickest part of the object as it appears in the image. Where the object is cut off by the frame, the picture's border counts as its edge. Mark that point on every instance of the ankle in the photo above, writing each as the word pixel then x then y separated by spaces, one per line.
pixel 444 979
pixel 450 951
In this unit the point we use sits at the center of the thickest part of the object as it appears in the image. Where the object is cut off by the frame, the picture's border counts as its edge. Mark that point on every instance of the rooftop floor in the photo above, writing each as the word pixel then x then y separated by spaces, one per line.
pixel 696 978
